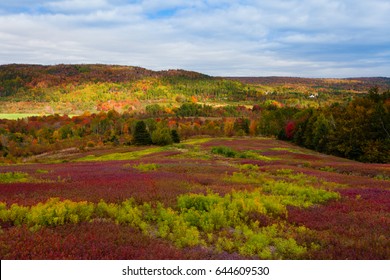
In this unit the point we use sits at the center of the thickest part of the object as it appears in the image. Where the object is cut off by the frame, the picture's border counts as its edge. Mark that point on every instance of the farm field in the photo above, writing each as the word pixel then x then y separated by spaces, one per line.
pixel 205 198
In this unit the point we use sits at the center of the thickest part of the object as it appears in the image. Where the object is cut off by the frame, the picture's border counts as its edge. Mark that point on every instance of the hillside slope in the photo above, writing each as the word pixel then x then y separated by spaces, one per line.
pixel 14 77
pixel 74 89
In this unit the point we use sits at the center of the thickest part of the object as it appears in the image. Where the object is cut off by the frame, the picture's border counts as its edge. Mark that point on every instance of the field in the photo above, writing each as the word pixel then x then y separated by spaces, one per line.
pixel 221 198
pixel 15 116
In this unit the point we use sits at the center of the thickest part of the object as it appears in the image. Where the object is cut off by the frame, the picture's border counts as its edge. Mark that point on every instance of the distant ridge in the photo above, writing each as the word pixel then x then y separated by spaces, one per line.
pixel 298 80
pixel 65 73
pixel 362 84
pixel 14 77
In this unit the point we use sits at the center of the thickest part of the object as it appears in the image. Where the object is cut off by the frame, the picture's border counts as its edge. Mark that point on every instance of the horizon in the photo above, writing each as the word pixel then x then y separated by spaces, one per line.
pixel 189 70
pixel 311 39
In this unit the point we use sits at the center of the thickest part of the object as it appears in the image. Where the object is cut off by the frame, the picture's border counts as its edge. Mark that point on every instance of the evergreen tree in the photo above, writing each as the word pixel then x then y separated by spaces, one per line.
pixel 141 135
pixel 175 136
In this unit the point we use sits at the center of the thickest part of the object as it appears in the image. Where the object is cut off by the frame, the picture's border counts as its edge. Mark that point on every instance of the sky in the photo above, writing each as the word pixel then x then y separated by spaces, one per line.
pixel 299 38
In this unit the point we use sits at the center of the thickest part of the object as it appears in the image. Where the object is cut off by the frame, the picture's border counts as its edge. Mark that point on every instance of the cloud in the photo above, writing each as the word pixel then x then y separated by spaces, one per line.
pixel 286 37
pixel 76 5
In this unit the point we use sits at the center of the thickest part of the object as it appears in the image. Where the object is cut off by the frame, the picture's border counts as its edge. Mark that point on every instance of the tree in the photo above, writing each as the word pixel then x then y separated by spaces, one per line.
pixel 189 110
pixel 154 110
pixel 290 129
pixel 141 135
pixel 241 126
pixel 228 128
pixel 321 128
pixel 175 136
pixel 162 136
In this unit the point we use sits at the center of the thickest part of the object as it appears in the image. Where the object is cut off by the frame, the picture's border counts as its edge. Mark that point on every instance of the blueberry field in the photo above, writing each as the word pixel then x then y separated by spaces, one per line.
pixel 205 198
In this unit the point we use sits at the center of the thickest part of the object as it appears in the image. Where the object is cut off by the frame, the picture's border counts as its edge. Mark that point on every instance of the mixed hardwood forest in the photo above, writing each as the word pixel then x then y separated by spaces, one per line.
pixel 117 162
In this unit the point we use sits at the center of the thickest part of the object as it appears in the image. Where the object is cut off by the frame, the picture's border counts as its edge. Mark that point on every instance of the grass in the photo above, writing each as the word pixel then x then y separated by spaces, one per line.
pixel 42 171
pixel 290 150
pixel 14 177
pixel 144 167
pixel 197 141
pixel 230 153
pixel 122 156
pixel 16 116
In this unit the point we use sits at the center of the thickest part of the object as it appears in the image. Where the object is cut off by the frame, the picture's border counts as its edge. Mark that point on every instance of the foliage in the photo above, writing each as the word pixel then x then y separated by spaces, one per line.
pixel 162 136
pixel 196 215
pixel 229 152
pixel 175 136
pixel 223 150
pixel 122 156
pixel 141 135
pixel 14 177
pixel 196 205
pixel 146 167
pixel 358 130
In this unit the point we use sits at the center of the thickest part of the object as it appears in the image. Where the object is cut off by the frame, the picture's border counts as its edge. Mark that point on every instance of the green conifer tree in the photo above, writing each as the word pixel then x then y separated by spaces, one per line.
pixel 141 135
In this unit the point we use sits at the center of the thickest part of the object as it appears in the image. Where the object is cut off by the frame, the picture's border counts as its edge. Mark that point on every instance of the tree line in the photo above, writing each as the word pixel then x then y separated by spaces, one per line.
pixel 359 129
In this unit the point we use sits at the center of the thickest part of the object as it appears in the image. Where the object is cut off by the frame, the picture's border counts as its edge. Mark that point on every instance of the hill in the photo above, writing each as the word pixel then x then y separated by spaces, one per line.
pixel 362 84
pixel 74 89
pixel 16 76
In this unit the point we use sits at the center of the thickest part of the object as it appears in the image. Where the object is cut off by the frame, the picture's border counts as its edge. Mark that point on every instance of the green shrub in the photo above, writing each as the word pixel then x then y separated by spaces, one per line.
pixel 225 244
pixel 162 136
pixel 249 167
pixel 253 155
pixel 288 249
pixel 106 211
pixel 90 144
pixel 42 171
pixel 144 167
pixel 4 213
pixel 198 201
pixel 173 226
pixel 14 177
pixel 245 178
pixel 17 214
pixel 129 213
pixel 224 151
pixel 255 244
pixel 297 195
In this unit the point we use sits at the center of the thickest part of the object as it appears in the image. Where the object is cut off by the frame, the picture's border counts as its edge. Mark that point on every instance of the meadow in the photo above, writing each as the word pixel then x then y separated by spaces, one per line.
pixel 204 198
pixel 15 116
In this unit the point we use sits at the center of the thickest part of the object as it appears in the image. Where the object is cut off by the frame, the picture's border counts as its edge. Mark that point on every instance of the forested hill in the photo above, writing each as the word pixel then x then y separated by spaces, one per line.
pixel 75 89
pixel 23 77
pixel 356 84
pixel 16 76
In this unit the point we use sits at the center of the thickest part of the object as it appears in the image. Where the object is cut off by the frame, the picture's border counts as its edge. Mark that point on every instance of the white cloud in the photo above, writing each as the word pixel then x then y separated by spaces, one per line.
pixel 285 37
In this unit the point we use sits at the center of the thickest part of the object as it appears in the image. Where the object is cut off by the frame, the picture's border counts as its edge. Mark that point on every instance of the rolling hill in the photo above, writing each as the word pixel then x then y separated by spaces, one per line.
pixel 74 89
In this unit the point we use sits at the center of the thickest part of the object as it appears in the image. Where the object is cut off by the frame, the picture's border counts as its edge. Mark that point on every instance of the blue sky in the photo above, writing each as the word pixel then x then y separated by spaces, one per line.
pixel 305 38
